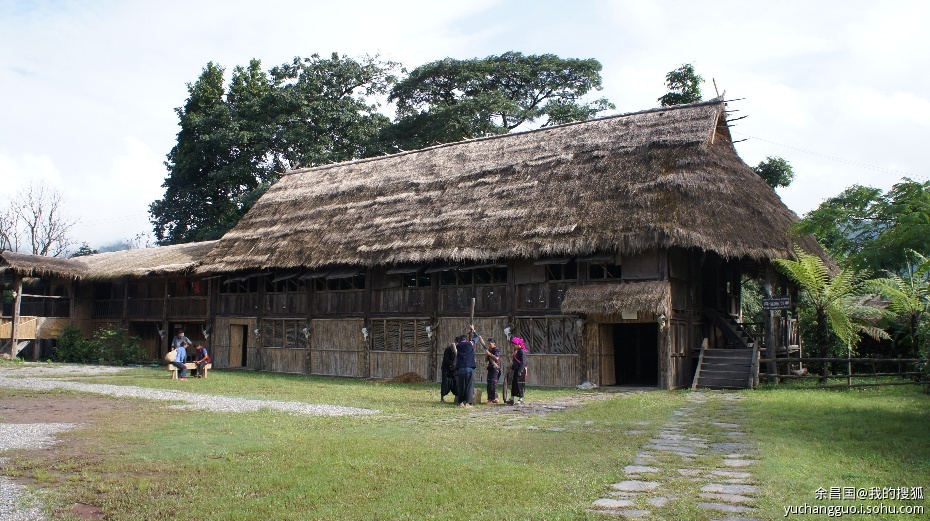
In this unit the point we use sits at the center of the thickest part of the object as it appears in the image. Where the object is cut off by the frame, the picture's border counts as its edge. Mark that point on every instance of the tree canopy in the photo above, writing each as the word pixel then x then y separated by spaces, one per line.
pixel 235 142
pixel 868 229
pixel 233 145
pixel 451 100
pixel 684 86
pixel 776 171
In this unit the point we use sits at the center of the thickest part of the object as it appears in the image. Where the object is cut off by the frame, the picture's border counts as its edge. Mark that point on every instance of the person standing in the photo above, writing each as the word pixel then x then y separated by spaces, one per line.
pixel 447 370
pixel 203 358
pixel 493 356
pixel 179 343
pixel 518 371
pixel 465 370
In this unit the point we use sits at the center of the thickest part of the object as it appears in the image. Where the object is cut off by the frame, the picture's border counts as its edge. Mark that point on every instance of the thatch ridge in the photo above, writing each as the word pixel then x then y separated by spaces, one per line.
pixel 27 265
pixel 161 260
pixel 715 101
pixel 175 259
pixel 659 178
pixel 612 299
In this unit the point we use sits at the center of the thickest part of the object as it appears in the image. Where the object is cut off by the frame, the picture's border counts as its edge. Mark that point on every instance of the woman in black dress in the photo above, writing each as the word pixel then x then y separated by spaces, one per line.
pixel 518 371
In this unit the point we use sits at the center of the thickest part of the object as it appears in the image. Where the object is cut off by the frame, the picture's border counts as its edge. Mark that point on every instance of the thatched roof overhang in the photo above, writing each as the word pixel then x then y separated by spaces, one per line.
pixel 178 259
pixel 26 265
pixel 656 179
pixel 612 299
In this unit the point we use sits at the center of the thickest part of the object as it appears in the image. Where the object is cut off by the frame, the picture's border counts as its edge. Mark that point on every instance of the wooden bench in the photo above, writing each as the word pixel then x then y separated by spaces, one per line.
pixel 190 366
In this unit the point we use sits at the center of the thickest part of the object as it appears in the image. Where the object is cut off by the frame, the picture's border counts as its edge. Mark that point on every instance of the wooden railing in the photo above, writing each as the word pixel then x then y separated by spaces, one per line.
pixel 849 369
pixel 45 307
pixel 112 308
pixel 146 308
pixel 193 307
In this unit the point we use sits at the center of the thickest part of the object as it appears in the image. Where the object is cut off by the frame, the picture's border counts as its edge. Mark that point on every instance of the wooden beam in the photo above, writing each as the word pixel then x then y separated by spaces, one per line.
pixel 17 301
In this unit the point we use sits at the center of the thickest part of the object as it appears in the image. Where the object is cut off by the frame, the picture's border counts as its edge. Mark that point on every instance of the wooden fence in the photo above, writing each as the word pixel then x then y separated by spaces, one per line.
pixel 851 368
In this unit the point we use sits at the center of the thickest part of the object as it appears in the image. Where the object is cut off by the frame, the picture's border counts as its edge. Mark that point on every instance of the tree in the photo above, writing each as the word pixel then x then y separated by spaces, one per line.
pixel 908 298
pixel 233 145
pixel 836 303
pixel 868 229
pixel 684 86
pixel 35 222
pixel 775 171
pixel 84 251
pixel 451 100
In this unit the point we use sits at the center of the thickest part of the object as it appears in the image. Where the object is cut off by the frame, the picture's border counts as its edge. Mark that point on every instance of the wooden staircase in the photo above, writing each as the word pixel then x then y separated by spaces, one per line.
pixel 732 368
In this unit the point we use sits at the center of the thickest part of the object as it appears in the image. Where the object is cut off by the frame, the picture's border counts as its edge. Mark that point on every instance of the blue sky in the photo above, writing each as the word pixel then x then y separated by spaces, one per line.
pixel 89 88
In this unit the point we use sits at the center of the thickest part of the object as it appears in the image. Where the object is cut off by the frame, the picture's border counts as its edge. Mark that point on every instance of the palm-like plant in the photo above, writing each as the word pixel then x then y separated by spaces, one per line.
pixel 837 302
pixel 908 296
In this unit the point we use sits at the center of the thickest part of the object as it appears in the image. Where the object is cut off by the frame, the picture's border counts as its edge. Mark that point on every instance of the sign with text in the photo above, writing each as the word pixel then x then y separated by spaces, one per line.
pixel 776 303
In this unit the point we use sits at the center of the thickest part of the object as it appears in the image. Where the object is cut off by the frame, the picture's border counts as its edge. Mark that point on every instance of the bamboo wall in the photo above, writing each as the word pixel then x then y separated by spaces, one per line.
pixel 283 360
pixel 338 348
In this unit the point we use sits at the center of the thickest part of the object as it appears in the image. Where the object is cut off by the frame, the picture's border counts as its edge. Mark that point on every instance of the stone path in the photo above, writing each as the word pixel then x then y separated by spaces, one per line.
pixel 697 466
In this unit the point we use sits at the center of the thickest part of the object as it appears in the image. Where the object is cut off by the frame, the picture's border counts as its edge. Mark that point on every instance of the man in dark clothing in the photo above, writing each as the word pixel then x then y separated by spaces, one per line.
pixel 447 369
pixel 465 370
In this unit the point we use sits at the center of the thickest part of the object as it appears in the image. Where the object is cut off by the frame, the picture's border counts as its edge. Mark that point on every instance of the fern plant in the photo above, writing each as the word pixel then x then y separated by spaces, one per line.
pixel 838 302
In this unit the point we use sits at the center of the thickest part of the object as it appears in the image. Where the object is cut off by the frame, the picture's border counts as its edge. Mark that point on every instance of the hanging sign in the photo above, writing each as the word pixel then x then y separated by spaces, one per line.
pixel 776 303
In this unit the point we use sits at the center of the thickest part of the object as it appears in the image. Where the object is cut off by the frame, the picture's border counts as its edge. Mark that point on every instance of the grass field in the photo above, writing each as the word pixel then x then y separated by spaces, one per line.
pixel 422 459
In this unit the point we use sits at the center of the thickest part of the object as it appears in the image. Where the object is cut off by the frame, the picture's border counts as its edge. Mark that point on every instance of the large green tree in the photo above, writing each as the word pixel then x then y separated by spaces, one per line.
pixel 870 229
pixel 684 86
pixel 451 100
pixel 233 145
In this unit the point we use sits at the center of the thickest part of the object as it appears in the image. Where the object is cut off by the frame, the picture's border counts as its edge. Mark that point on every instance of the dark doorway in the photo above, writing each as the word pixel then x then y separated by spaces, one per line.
pixel 636 353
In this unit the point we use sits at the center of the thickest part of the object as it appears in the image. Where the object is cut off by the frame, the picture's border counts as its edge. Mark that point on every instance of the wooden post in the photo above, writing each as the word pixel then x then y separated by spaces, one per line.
pixel 769 333
pixel 165 325
pixel 366 322
pixel 17 300
pixel 125 319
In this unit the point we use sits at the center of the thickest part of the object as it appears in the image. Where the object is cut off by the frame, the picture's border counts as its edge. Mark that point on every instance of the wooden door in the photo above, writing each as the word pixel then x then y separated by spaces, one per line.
pixel 237 338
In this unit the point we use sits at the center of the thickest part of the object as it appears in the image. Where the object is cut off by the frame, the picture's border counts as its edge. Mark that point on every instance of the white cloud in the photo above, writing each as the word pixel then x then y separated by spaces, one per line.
pixel 19 171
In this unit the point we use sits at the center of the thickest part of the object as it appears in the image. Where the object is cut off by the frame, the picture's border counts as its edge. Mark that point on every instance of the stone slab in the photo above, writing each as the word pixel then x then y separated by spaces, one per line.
pixel 605 503
pixel 717 488
pixel 727 498
pixel 635 486
pixel 639 469
pixel 736 509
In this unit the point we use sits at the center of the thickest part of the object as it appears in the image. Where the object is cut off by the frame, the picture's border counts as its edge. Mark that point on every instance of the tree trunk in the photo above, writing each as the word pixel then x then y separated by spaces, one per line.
pixel 823 343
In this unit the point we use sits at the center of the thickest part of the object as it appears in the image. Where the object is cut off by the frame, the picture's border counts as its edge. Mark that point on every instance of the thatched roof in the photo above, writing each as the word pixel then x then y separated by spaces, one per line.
pixel 660 178
pixel 612 299
pixel 27 265
pixel 162 260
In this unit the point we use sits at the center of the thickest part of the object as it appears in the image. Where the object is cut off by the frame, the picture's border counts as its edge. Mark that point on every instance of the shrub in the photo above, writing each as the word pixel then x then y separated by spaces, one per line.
pixel 115 346
pixel 72 346
pixel 108 345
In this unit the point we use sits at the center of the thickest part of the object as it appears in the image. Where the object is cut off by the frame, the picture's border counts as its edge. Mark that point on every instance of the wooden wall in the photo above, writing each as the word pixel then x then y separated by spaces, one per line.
pixel 338 347
pixel 225 355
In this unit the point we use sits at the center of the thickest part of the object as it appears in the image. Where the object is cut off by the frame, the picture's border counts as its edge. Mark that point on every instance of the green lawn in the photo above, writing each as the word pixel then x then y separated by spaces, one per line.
pixel 421 459
pixel 861 438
